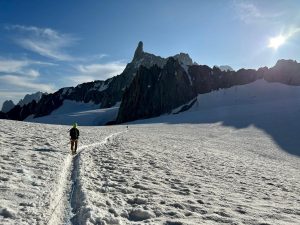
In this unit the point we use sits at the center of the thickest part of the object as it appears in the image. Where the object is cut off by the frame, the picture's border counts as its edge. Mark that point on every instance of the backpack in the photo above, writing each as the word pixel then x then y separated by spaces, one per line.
pixel 74 133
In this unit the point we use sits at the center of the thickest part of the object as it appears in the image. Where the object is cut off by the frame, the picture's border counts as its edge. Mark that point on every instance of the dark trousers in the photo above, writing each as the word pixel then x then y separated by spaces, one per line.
pixel 74 142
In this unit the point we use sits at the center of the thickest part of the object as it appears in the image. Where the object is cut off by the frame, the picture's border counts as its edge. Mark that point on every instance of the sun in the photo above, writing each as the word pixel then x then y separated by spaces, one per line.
pixel 276 42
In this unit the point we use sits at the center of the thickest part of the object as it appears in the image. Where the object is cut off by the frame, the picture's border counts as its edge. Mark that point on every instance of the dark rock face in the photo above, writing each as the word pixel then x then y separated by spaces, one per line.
pixel 21 112
pixel 225 68
pixel 7 105
pixel 46 105
pixel 156 91
pixel 3 115
pixel 30 97
pixel 285 71
pixel 145 59
pixel 184 59
pixel 138 54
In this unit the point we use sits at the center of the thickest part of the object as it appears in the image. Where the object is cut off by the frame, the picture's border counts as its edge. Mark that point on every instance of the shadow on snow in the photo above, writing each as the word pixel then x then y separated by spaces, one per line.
pixel 281 123
pixel 44 150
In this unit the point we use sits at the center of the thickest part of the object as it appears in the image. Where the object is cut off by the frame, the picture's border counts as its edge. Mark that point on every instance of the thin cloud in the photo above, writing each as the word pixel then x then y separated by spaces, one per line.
pixel 25 82
pixel 249 12
pixel 19 77
pixel 104 70
pixel 91 72
pixel 33 73
pixel 13 66
pixel 44 41
pixel 292 31
pixel 97 57
pixel 21 67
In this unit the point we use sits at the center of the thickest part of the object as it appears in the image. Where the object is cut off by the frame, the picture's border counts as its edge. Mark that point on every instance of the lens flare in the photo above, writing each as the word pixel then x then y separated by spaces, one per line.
pixel 276 42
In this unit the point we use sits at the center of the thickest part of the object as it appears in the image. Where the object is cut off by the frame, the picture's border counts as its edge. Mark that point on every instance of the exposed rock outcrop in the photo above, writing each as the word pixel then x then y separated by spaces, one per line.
pixel 285 71
pixel 155 91
pixel 30 97
pixel 7 105
pixel 225 68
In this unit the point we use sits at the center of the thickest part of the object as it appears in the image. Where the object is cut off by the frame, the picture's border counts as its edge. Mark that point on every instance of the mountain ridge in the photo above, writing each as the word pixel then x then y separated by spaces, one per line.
pixel 151 85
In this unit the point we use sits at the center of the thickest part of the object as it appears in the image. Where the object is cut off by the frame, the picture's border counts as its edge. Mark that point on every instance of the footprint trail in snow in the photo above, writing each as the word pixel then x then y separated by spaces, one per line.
pixel 153 174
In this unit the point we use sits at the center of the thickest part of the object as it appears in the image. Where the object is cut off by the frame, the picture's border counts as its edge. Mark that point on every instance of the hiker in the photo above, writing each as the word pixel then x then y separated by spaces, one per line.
pixel 74 134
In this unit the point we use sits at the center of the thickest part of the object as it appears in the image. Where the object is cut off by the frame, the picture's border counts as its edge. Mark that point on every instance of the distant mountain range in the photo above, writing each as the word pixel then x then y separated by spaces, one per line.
pixel 151 85
pixel 9 104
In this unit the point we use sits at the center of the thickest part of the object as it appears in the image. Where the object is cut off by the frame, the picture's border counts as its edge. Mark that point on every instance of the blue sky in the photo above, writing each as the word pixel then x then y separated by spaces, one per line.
pixel 46 45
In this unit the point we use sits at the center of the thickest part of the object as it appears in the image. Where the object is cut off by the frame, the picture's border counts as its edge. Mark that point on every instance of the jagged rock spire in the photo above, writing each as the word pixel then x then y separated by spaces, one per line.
pixel 139 51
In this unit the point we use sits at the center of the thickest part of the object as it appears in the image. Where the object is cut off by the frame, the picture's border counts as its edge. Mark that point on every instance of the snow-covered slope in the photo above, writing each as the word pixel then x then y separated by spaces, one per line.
pixel 85 114
pixel 232 158
pixel 149 174
pixel 254 98
pixel 35 170
pixel 271 107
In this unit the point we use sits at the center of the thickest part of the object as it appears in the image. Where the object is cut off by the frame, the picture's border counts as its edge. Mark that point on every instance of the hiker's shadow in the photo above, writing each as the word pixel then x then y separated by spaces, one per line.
pixel 45 150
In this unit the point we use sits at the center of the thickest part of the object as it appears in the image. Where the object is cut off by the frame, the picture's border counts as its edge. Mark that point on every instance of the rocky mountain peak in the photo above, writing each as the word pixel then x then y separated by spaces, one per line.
pixel 7 106
pixel 225 68
pixel 139 51
pixel 284 71
pixel 30 97
pixel 184 58
pixel 286 63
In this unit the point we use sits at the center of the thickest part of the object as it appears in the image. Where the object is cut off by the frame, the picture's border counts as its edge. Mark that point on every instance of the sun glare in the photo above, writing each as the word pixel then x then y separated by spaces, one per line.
pixel 275 42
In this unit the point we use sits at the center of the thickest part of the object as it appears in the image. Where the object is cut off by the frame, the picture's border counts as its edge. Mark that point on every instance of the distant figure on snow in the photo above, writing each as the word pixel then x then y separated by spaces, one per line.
pixel 74 134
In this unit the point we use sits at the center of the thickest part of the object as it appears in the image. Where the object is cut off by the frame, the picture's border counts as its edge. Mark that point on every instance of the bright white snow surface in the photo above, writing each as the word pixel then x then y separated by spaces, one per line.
pixel 85 114
pixel 232 164
pixel 148 174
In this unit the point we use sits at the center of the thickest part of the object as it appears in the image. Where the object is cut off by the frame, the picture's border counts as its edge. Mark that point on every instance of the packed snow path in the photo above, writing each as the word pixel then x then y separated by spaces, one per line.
pixel 152 174
pixel 35 171
pixel 75 198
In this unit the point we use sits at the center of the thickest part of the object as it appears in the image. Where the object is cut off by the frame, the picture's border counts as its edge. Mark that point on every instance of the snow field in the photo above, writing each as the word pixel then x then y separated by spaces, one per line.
pixel 190 174
pixel 35 171
pixel 164 174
